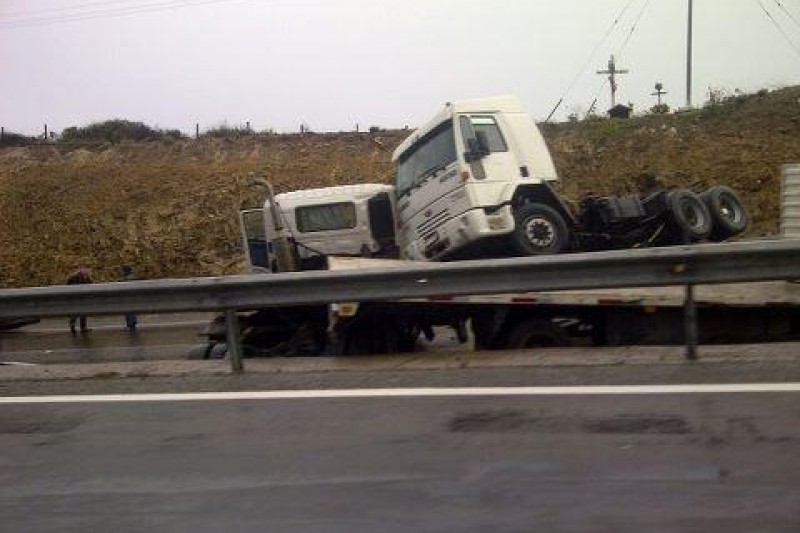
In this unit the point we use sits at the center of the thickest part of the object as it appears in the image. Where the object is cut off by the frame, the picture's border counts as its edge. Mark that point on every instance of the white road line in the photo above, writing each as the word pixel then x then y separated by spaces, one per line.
pixel 606 390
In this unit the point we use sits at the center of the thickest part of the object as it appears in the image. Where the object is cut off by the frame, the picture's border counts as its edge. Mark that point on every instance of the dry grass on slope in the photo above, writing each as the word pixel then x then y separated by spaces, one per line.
pixel 740 142
pixel 169 208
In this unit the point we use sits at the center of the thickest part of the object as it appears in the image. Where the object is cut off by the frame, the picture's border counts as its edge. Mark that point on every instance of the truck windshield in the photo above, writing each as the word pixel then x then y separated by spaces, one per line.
pixel 434 151
pixel 326 217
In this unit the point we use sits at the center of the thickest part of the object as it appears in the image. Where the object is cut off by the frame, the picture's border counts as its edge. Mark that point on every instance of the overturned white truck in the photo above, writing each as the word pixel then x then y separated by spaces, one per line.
pixel 476 181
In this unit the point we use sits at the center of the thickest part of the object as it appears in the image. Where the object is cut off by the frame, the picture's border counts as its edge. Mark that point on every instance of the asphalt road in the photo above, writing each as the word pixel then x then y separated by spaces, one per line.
pixel 723 462
pixel 158 337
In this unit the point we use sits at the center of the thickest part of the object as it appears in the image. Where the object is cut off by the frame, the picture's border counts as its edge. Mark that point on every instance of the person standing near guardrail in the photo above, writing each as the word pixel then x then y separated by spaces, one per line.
pixel 81 276
pixel 130 318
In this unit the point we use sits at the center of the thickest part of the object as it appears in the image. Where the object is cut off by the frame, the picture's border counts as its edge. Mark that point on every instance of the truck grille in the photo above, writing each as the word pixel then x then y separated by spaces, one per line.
pixel 433 221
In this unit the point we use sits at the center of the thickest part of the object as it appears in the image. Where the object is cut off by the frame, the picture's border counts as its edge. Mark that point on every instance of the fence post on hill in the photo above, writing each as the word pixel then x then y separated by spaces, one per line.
pixel 2 133
pixel 197 130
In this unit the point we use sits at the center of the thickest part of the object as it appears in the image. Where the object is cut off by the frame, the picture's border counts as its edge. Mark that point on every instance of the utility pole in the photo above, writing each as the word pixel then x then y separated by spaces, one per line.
pixel 659 91
pixel 612 78
pixel 689 56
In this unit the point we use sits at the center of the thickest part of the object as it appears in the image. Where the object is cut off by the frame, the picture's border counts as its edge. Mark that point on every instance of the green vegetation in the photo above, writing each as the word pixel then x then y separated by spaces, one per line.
pixel 228 132
pixel 116 131
pixel 10 138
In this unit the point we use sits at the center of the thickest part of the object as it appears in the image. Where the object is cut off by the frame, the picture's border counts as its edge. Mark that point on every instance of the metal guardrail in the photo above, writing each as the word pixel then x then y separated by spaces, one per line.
pixel 678 265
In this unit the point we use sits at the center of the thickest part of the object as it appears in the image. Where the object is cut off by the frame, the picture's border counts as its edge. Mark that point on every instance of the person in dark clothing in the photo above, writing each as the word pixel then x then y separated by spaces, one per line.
pixel 130 318
pixel 79 277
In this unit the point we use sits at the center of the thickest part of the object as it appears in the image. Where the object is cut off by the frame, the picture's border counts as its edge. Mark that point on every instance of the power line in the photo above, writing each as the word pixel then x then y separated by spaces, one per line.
pixel 107 13
pixel 596 48
pixel 74 7
pixel 778 27
pixel 788 13
pixel 634 26
pixel 589 59
pixel 622 47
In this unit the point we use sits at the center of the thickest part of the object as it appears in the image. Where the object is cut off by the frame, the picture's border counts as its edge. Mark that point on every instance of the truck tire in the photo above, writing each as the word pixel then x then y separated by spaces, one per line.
pixel 539 230
pixel 202 351
pixel 727 211
pixel 370 338
pixel 536 333
pixel 689 216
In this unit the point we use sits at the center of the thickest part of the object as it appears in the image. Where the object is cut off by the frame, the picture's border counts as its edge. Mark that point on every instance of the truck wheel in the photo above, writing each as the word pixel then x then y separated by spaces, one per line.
pixel 690 216
pixel 727 210
pixel 202 351
pixel 539 230
pixel 218 350
pixel 536 333
pixel 370 339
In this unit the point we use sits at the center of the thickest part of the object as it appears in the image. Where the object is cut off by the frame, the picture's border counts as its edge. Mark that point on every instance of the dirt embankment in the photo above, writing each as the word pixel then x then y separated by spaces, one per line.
pixel 169 208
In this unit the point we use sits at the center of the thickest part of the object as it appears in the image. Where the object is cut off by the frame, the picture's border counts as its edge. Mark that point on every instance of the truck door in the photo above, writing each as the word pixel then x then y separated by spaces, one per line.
pixel 499 163
pixel 256 246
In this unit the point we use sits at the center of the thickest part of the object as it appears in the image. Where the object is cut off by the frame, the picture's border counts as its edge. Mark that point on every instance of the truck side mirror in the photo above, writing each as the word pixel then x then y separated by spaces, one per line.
pixel 483 143
pixel 477 147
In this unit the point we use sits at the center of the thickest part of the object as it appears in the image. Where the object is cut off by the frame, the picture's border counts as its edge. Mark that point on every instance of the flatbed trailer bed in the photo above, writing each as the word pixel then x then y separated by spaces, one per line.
pixel 726 313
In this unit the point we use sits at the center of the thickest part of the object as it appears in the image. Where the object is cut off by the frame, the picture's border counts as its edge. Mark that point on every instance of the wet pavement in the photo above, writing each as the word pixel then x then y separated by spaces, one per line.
pixel 157 337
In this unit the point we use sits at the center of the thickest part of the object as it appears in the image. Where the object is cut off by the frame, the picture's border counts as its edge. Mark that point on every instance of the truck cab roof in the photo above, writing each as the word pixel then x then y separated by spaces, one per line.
pixel 494 104
pixel 338 193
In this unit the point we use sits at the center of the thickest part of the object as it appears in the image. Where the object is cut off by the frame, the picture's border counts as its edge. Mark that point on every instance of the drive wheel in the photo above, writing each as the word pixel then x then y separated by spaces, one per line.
pixel 689 215
pixel 727 210
pixel 536 333
pixel 539 230
pixel 370 339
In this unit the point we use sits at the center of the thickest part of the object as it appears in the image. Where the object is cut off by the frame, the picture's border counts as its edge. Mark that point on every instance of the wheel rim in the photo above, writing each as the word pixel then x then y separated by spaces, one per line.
pixel 540 232
pixel 693 216
pixel 540 340
pixel 729 210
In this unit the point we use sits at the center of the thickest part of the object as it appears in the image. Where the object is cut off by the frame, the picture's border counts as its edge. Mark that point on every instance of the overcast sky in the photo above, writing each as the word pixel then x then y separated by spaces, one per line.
pixel 334 63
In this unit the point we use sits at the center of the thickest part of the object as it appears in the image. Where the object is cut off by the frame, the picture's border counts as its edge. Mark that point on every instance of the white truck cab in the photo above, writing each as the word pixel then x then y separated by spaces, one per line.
pixel 463 178
pixel 345 220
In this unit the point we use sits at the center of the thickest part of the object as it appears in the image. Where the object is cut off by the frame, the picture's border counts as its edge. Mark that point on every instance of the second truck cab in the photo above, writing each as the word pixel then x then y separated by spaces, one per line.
pixel 346 220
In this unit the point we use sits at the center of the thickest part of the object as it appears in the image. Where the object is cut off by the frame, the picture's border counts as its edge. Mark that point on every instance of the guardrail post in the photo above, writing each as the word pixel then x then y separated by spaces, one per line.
pixel 234 341
pixel 690 323
pixel 689 309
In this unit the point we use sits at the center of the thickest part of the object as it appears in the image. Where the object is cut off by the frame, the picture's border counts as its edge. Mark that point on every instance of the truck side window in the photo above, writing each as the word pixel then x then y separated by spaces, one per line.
pixel 325 217
pixel 488 125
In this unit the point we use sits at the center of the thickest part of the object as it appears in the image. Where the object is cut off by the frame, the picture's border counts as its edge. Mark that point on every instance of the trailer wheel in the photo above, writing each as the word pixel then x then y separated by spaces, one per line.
pixel 218 350
pixel 202 351
pixel 690 216
pixel 372 339
pixel 536 333
pixel 539 230
pixel 727 210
